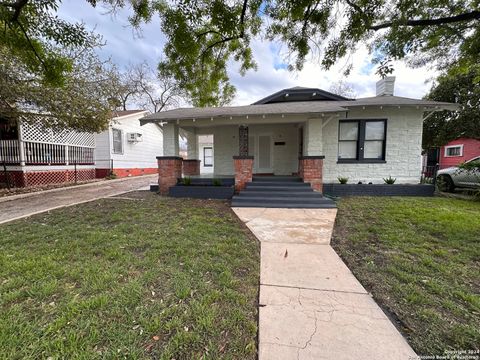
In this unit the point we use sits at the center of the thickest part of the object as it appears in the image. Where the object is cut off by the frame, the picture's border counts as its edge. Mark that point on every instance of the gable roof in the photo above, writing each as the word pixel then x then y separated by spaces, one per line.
pixel 121 113
pixel 299 93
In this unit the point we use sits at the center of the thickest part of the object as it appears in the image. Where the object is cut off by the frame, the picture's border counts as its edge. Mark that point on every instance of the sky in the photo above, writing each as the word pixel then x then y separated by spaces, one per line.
pixel 125 46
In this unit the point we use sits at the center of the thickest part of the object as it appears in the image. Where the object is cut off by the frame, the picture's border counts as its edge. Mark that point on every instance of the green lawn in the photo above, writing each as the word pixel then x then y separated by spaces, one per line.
pixel 147 278
pixel 420 258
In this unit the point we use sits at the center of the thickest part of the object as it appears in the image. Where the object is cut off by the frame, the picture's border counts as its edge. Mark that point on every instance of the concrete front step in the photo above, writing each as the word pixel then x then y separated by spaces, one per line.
pixel 279 189
pixel 288 194
pixel 285 178
pixel 257 204
pixel 278 183
pixel 271 199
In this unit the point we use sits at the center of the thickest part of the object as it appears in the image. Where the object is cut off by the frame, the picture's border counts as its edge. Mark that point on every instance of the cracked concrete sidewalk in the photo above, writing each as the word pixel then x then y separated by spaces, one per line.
pixel 311 305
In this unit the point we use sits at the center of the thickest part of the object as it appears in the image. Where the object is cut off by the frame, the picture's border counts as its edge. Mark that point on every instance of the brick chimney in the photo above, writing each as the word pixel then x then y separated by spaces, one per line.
pixel 385 86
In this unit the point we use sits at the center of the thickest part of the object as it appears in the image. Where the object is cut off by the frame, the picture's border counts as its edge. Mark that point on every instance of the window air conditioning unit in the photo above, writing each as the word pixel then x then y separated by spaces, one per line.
pixel 134 137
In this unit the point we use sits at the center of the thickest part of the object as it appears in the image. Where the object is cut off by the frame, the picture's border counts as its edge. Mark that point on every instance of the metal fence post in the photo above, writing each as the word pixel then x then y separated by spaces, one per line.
pixel 5 173
pixel 435 170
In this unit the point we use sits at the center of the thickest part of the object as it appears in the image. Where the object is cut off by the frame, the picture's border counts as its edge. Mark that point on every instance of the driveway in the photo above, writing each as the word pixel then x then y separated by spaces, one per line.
pixel 19 206
pixel 311 305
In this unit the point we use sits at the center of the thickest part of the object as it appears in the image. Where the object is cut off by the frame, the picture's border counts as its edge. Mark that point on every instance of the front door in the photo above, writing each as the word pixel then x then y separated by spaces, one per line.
pixel 260 146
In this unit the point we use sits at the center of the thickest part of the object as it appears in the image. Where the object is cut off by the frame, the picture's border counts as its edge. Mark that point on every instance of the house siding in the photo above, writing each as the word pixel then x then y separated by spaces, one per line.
pixel 471 149
pixel 402 153
pixel 137 158
pixel 403 148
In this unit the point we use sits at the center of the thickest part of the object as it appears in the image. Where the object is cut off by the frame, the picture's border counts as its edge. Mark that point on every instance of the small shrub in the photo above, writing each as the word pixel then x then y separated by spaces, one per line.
pixel 390 180
pixel 111 176
pixel 342 180
pixel 187 181
pixel 217 182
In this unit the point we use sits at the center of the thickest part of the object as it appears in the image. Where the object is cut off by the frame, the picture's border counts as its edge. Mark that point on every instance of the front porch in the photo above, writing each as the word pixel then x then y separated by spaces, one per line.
pixel 243 148
pixel 32 156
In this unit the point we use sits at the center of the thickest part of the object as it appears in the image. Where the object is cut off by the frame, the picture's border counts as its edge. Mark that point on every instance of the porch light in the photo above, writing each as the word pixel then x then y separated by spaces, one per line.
pixel 263 116
pixel 193 120
pixel 246 117
pixel 363 107
pixel 314 94
pixel 211 119
pixel 286 95
pixel 230 118
pixel 381 107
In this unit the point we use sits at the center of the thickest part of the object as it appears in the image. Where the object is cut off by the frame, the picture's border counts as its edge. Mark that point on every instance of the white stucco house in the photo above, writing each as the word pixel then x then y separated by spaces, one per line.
pixel 308 132
pixel 126 148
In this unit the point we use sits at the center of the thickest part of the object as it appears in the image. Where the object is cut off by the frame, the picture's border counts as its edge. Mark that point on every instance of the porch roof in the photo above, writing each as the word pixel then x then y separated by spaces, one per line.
pixel 291 108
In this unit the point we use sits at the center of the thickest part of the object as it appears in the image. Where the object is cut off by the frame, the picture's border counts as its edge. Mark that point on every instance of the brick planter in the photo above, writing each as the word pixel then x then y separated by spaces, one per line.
pixel 169 170
pixel 310 169
pixel 191 167
pixel 243 171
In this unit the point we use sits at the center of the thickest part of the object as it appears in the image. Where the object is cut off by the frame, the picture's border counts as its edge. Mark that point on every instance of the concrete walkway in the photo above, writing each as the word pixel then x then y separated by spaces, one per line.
pixel 19 206
pixel 311 305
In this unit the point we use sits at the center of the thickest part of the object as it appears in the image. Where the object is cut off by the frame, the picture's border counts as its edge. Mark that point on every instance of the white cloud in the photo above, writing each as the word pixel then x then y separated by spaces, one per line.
pixel 255 85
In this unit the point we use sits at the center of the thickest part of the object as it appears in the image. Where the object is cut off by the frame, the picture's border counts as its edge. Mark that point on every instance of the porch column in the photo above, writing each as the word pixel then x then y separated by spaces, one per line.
pixel 169 171
pixel 170 140
pixel 191 165
pixel 310 165
pixel 243 163
pixel 21 145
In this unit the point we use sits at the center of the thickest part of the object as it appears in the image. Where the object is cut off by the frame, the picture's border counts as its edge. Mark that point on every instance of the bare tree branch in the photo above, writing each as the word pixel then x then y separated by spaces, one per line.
pixel 473 15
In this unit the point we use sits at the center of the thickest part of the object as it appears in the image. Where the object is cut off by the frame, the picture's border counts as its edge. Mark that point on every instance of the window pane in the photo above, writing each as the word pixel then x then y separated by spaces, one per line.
pixel 348 131
pixel 207 151
pixel 347 150
pixel 207 156
pixel 375 130
pixel 207 161
pixel 454 151
pixel 373 150
pixel 117 141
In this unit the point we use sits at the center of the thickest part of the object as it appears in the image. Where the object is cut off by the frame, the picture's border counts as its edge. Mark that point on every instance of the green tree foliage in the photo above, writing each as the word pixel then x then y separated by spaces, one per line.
pixel 49 72
pixel 29 28
pixel 204 37
pixel 442 127
pixel 82 102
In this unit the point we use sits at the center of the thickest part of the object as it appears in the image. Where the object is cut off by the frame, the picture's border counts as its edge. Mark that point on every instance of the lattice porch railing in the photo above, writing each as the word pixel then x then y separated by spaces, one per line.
pixel 39 146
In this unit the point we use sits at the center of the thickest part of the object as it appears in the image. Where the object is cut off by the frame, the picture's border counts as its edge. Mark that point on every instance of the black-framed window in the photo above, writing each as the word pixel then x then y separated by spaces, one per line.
pixel 117 137
pixel 207 156
pixel 362 140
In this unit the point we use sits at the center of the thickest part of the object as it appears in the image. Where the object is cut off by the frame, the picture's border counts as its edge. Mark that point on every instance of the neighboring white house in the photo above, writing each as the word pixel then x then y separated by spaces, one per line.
pixel 365 139
pixel 126 148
